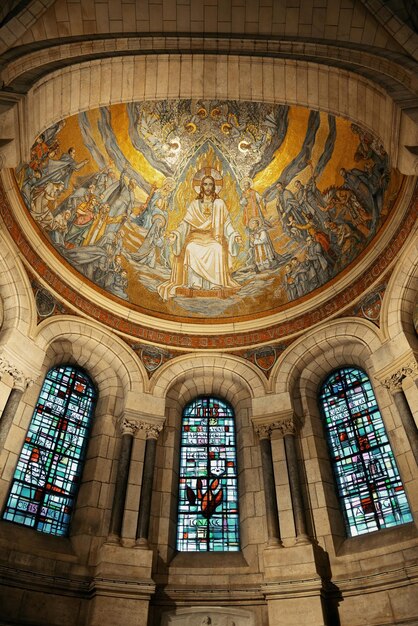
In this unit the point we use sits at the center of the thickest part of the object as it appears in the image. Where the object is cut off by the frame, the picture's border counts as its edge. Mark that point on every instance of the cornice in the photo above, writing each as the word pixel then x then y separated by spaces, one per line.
pixel 23 66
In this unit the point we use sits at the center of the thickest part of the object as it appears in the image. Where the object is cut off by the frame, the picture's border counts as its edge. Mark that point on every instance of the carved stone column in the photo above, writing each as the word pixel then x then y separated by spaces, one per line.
pixel 272 517
pixel 142 529
pixel 394 384
pixel 287 429
pixel 128 429
pixel 20 384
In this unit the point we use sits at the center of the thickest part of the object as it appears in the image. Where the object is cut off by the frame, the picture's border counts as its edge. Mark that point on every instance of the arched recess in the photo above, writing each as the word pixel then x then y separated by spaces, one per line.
pixel 264 79
pixel 187 368
pixel 117 374
pixel 299 376
pixel 94 347
pixel 237 382
pixel 400 299
pixel 19 313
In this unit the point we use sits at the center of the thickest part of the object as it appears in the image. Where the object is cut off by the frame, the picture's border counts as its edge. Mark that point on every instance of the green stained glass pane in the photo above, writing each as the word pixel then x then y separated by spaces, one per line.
pixel 48 471
pixel 208 499
pixel 369 486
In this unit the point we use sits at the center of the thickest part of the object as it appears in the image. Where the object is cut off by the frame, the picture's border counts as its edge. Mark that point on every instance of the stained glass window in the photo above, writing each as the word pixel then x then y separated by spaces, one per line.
pixel 48 471
pixel 208 497
pixel 370 489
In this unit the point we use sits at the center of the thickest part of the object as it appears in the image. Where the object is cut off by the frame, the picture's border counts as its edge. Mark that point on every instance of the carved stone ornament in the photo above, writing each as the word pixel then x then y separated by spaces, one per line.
pixel 20 381
pixel 394 381
pixel 287 426
pixel 263 430
pixel 152 430
pixel 128 427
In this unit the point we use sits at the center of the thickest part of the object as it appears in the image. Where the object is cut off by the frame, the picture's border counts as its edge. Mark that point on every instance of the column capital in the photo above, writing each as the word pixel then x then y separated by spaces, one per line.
pixel 152 431
pixel 286 425
pixel 263 430
pixel 128 426
pixel 20 380
pixel 394 381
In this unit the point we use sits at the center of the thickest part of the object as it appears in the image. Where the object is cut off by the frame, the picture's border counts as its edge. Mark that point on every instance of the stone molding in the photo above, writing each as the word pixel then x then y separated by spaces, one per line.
pixel 20 381
pixel 394 381
pixel 131 425
pixel 285 426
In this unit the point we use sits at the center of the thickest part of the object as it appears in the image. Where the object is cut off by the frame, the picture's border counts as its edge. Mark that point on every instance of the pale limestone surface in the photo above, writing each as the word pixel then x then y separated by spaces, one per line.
pixel 349 57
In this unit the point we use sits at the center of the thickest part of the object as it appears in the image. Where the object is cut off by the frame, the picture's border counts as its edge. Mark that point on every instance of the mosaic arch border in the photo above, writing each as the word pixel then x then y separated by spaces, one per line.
pixel 197 336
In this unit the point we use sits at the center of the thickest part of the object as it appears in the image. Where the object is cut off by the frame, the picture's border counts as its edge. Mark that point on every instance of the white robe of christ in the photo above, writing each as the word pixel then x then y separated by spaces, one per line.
pixel 202 247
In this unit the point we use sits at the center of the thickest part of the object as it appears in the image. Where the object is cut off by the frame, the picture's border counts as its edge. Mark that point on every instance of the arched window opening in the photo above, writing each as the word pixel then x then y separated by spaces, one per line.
pixel 370 489
pixel 208 496
pixel 48 471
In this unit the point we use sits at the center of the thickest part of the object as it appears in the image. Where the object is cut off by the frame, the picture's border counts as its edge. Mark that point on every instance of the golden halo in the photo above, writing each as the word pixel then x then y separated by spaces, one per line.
pixel 202 113
pixel 208 171
pixel 246 179
pixel 190 127
pixel 226 128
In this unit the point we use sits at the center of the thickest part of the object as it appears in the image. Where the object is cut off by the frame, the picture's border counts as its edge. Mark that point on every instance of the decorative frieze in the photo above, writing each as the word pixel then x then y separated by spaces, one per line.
pixel 287 426
pixel 20 381
pixel 394 381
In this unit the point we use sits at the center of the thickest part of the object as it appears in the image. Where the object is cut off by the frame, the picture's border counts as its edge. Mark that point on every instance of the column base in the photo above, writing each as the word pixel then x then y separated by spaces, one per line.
pixel 142 543
pixel 114 540
pixel 294 584
pixel 274 543
pixel 121 587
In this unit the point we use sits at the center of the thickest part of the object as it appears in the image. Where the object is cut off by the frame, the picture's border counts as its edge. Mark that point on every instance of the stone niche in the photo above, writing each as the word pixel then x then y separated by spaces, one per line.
pixel 213 616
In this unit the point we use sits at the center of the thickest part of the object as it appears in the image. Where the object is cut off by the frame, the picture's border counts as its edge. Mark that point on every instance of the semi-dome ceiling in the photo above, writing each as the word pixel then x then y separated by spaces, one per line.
pixel 188 210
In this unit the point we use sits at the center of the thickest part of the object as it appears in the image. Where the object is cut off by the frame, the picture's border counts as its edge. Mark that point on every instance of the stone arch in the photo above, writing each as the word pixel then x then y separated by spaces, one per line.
pixel 297 378
pixel 224 372
pixel 162 76
pixel 118 375
pixel 113 366
pixel 18 306
pixel 400 298
pixel 230 379
pixel 322 348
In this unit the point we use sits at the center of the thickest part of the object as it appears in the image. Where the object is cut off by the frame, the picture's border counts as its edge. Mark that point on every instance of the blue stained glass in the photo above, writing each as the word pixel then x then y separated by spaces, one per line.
pixel 48 471
pixel 208 497
pixel 370 489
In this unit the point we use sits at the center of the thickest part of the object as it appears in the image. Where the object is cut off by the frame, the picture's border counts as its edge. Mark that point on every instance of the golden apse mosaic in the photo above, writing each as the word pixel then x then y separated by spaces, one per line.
pixel 208 209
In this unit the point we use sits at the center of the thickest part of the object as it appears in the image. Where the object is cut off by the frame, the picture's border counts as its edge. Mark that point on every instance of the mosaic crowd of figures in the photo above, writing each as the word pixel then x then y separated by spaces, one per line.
pixel 370 488
pixel 48 471
pixel 210 208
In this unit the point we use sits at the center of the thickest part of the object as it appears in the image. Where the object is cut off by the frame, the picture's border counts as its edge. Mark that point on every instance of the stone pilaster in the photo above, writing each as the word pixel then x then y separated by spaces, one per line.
pixel 272 517
pixel 128 428
pixel 152 432
pixel 20 383
pixel 394 384
pixel 287 429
